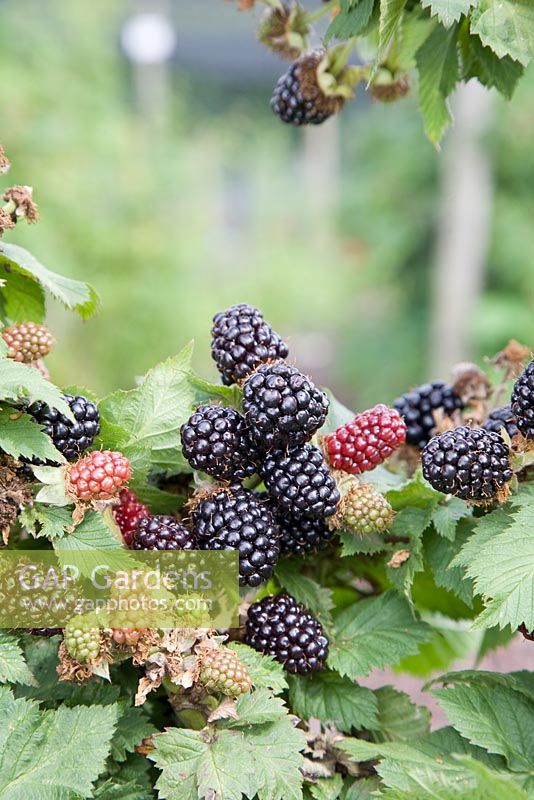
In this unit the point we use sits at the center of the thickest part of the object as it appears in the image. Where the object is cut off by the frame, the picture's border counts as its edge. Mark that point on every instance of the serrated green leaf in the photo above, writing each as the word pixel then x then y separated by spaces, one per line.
pixel 91 534
pixel 482 63
pixel 437 64
pixel 398 717
pixel 500 721
pixel 353 544
pixel 40 752
pixel 375 633
pixel 318 599
pixel 500 560
pixel 75 295
pixel 21 382
pixel 206 392
pixel 415 492
pixel 447 515
pixel 20 435
pixel 448 11
pixel 255 708
pixel 521 682
pixel 23 299
pixel 264 671
pixel 332 698
pixel 43 520
pixel 351 21
pixel 132 727
pixel 13 667
pixel 390 17
pixel 150 416
pixel 441 553
pixel 507 26
pixel 111 790
pixel 326 788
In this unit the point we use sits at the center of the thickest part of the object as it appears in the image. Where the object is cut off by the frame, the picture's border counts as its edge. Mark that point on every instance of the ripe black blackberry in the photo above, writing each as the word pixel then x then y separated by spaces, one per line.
pixel 470 463
pixel 283 407
pixel 300 536
pixel 300 483
pixel 70 438
pixel 502 417
pixel 417 406
pixel 298 98
pixel 523 401
pixel 237 519
pixel 215 440
pixel 281 627
pixel 161 532
pixel 242 340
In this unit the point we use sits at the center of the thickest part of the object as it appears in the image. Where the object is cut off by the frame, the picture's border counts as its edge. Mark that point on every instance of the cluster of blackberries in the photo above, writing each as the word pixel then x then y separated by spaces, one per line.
pixel 298 99
pixel 282 409
pixel 419 406
pixel 71 438
pixel 474 463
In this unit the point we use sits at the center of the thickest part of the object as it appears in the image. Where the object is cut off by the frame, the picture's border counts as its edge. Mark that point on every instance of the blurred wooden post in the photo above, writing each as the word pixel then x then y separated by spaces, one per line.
pixel 463 229
pixel 321 170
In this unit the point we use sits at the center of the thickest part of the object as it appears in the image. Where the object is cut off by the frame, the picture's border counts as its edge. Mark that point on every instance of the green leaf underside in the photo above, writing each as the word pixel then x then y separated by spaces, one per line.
pixel 448 11
pixel 374 633
pixel 507 27
pixel 437 64
pixel 75 295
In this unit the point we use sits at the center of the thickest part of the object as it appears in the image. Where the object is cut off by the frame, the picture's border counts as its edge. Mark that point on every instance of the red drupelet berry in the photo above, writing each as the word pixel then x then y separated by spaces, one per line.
pixel 128 513
pixel 367 441
pixel 99 475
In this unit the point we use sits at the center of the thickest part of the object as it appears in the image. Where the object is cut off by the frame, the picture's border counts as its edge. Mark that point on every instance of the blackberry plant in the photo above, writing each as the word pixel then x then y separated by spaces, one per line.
pixel 378 556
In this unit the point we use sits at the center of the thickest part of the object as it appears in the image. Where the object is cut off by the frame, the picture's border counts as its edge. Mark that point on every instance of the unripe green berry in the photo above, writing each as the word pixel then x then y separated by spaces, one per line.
pixel 222 671
pixel 82 640
pixel 364 510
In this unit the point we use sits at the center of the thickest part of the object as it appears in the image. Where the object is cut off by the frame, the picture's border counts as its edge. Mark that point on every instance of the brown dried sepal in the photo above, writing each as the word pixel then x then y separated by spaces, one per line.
pixel 470 383
pixel 21 197
pixel 5 221
pixel 14 493
pixel 390 91
pixel 4 161
pixel 513 358
pixel 284 30
pixel 398 558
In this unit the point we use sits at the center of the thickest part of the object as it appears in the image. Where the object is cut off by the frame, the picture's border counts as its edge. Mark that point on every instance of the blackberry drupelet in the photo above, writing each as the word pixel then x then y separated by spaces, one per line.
pixel 161 532
pixel 298 98
pixel 502 418
pixel 281 627
pixel 283 407
pixel 523 401
pixel 242 340
pixel 71 438
pixel 470 463
pixel 299 482
pixel 417 406
pixel 215 440
pixel 237 519
pixel 300 536
pixel 100 475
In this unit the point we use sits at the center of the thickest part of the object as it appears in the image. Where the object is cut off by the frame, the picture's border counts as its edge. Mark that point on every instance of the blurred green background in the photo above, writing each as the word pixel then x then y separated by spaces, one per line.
pixel 177 192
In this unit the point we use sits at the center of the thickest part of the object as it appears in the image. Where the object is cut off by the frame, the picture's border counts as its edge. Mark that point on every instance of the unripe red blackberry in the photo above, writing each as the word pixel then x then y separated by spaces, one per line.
pixel 222 671
pixel 215 440
pixel 98 476
pixel 417 407
pixel 366 441
pixel 82 639
pixel 71 438
pixel 363 510
pixel 502 418
pixel 128 513
pixel 470 463
pixel 281 627
pixel 283 407
pixel 161 532
pixel 242 340
pixel 28 341
pixel 299 482
pixel 300 536
pixel 237 519
pixel 298 99
pixel 523 401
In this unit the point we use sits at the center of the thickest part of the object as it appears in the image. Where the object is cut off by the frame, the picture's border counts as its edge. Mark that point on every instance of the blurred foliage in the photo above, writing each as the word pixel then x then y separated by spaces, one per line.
pixel 174 218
